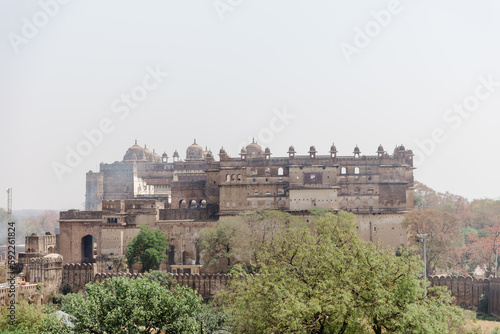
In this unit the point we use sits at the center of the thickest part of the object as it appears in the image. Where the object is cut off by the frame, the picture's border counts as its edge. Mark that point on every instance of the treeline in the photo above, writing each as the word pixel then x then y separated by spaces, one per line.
pixel 463 235
pixel 45 221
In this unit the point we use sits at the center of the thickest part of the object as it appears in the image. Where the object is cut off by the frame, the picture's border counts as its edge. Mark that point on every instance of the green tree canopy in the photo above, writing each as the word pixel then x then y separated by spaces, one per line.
pixel 236 239
pixel 148 247
pixel 124 305
pixel 323 278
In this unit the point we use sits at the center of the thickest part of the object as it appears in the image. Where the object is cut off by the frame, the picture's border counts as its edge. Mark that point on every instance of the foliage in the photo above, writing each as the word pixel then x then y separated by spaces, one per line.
pixel 219 243
pixel 119 262
pixel 237 239
pixel 443 228
pixel 27 317
pixel 211 320
pixel 148 247
pixel 243 269
pixel 325 279
pixel 164 278
pixel 121 305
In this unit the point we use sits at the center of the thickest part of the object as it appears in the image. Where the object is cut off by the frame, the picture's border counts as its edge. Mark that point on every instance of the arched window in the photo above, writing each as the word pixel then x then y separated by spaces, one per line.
pixel 268 171
pixel 356 170
pixel 183 204
pixel 233 177
pixel 193 204
pixel 239 177
pixel 280 171
pixel 228 178
pixel 268 192
pixel 343 170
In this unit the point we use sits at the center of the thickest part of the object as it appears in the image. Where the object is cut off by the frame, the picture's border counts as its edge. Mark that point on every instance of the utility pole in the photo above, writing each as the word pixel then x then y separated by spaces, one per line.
pixel 423 238
pixel 9 201
pixel 496 258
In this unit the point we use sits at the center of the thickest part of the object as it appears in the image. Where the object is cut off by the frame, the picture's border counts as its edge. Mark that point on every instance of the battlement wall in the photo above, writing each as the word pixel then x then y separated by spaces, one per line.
pixel 466 290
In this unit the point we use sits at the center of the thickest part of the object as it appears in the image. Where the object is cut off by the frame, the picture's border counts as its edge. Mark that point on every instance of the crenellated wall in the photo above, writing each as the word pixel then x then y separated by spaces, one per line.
pixel 76 276
pixel 466 290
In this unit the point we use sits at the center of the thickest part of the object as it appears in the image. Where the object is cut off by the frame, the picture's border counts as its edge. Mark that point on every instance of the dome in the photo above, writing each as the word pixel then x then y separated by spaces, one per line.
pixel 164 155
pixel 222 151
pixel 194 152
pixel 333 148
pixel 134 153
pixel 254 150
pixel 402 148
pixel 149 155
pixel 176 154
pixel 243 151
pixel 291 149
pixel 312 149
pixel 209 154
pixel 267 150
pixel 380 148
pixel 356 149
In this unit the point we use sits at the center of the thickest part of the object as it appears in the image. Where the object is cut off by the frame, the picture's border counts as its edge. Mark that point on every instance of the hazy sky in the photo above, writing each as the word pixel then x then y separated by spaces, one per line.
pixel 425 74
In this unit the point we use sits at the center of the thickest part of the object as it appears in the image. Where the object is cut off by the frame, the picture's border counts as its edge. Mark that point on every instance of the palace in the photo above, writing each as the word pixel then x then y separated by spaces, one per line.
pixel 183 196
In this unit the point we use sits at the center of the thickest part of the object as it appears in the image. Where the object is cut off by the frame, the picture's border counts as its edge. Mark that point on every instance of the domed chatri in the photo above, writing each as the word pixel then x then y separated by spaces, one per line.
pixel 254 150
pixel 135 153
pixel 222 151
pixel 291 149
pixel 195 152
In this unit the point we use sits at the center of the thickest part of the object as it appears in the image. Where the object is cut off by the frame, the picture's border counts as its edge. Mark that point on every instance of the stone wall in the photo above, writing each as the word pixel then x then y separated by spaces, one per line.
pixel 466 291
pixel 494 297
pixel 75 276
pixel 27 290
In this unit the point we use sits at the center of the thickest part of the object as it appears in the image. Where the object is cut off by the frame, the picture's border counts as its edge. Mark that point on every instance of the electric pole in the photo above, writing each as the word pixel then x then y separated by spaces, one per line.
pixel 423 238
pixel 9 201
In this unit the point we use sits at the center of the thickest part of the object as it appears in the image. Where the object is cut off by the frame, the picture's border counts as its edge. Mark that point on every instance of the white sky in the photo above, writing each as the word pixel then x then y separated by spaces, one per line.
pixel 227 76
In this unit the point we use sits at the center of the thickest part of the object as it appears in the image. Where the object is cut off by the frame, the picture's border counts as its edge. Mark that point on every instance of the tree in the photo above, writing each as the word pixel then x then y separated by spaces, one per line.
pixel 323 278
pixel 124 305
pixel 236 239
pixel 119 262
pixel 443 229
pixel 148 247
pixel 218 243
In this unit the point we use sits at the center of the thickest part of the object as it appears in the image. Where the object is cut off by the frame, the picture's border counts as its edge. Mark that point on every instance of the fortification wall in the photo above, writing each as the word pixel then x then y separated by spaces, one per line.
pixel 466 291
pixel 76 276
pixel 494 297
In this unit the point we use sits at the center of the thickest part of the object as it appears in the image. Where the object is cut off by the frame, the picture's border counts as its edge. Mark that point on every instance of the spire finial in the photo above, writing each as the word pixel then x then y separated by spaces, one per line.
pixel 195 140
pixel 253 140
pixel 136 141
